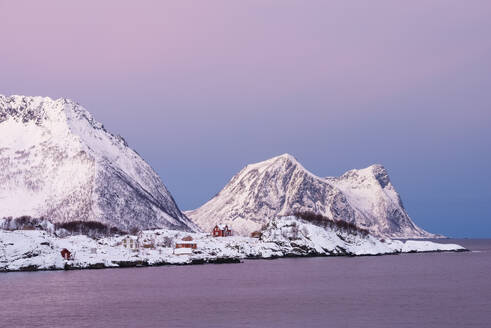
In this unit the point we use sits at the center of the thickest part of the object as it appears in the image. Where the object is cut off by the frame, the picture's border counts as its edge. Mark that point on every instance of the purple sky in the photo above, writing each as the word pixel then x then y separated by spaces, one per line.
pixel 201 88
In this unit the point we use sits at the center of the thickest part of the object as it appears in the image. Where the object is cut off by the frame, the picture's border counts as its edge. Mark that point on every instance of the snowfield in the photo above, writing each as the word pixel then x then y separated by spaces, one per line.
pixel 30 250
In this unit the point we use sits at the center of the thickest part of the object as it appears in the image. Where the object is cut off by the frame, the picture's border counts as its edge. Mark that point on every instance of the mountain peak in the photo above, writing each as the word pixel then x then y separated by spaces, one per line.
pixel 283 158
pixel 57 161
pixel 281 186
pixel 38 109
pixel 283 162
pixel 381 175
pixel 286 157
pixel 374 171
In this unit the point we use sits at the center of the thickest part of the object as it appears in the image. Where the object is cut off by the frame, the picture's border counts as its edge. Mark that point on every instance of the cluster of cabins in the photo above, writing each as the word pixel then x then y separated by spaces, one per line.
pixel 184 246
pixel 138 242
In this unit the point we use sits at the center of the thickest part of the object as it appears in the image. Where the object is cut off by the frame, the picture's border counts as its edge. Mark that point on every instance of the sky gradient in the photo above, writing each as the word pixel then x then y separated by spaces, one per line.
pixel 200 89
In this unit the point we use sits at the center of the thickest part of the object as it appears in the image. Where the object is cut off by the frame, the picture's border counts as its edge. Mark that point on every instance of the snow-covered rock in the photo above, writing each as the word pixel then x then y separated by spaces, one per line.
pixel 282 186
pixel 58 162
pixel 376 204
pixel 285 236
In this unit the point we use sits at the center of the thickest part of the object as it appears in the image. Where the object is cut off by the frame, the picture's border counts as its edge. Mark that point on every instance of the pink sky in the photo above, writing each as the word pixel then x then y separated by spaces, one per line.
pixel 201 88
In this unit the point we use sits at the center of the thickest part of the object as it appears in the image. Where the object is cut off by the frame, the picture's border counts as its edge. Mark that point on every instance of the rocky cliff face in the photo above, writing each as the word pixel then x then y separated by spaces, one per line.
pixel 282 186
pixel 57 161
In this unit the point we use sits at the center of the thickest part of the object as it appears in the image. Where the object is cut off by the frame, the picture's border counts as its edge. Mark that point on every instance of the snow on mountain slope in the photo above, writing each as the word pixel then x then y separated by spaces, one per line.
pixel 56 161
pixel 281 186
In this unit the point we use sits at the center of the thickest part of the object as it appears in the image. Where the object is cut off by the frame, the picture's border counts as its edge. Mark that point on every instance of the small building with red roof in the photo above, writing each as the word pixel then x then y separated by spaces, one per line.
pixel 221 230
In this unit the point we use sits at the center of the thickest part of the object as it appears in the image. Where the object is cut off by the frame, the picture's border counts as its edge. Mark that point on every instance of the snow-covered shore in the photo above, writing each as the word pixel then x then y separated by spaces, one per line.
pixel 30 250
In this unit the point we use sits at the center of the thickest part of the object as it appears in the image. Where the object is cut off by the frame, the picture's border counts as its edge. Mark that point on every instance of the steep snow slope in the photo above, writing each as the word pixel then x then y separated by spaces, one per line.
pixel 281 186
pixel 56 161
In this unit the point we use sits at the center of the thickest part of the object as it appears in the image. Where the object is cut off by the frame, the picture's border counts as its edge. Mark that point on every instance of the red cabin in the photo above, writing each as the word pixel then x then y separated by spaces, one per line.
pixel 221 231
pixel 65 253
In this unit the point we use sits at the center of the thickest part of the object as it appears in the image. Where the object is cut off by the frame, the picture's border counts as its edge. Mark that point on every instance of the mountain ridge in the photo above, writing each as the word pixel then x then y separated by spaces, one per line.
pixel 281 186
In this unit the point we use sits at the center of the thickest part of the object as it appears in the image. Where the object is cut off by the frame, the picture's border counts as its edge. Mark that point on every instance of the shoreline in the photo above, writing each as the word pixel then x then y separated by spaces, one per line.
pixel 224 260
pixel 36 250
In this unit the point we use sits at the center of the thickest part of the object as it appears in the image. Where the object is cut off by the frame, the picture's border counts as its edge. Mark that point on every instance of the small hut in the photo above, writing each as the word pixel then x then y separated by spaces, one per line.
pixel 186 242
pixel 66 254
pixel 256 234
pixel 149 243
pixel 130 242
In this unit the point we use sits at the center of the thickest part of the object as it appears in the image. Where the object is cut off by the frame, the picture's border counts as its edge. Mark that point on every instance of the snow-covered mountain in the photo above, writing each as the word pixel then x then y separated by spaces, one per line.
pixel 56 161
pixel 281 186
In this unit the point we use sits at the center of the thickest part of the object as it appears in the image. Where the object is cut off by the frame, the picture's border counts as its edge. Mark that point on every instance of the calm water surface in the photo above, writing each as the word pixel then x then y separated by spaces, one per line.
pixel 413 290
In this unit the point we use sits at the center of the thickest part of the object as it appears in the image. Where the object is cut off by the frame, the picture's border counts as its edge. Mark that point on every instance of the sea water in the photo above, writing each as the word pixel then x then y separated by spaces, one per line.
pixel 410 290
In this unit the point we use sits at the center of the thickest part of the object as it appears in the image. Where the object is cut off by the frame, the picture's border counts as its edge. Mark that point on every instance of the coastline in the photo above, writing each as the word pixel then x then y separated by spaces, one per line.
pixel 38 250
pixel 144 264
